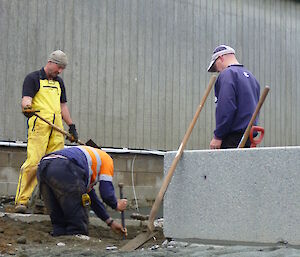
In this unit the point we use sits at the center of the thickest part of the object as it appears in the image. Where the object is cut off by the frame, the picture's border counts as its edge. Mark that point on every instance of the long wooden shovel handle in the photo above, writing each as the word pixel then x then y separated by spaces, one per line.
pixel 171 170
pixel 260 103
pixel 57 128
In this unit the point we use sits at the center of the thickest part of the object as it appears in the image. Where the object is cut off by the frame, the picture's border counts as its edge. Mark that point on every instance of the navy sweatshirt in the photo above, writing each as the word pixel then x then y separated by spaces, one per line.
pixel 106 188
pixel 237 94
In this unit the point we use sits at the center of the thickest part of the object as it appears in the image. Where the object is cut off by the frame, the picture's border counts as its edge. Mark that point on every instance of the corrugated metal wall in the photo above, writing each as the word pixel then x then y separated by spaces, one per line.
pixel 138 67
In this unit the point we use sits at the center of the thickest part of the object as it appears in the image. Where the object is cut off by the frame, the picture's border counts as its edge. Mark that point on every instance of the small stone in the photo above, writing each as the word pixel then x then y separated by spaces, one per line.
pixel 39 241
pixel 60 244
pixel 23 255
pixel 110 248
pixel 86 253
pixel 172 243
pixel 182 244
pixel 165 243
pixel 154 247
pixel 84 237
pixel 21 240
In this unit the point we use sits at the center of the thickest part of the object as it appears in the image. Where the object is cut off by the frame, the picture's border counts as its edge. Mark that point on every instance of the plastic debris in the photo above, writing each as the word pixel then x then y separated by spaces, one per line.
pixel 159 223
pixel 110 248
pixel 172 243
pixel 84 237
pixel 60 244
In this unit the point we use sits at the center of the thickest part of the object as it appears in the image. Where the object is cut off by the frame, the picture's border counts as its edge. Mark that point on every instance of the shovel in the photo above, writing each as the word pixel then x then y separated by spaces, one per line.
pixel 36 192
pixel 146 236
pixel 259 105
pixel 68 135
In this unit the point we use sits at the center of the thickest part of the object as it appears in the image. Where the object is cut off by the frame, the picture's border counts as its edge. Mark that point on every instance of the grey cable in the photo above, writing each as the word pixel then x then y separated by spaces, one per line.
pixel 132 181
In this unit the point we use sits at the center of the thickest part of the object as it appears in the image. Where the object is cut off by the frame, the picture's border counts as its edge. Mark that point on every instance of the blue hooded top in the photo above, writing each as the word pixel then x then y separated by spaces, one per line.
pixel 237 94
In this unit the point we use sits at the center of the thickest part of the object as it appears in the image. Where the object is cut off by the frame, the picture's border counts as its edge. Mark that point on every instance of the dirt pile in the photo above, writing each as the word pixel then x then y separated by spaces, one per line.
pixel 30 239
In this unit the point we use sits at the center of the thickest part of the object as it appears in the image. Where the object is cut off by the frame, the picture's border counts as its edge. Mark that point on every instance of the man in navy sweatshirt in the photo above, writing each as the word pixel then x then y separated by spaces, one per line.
pixel 236 96
pixel 67 178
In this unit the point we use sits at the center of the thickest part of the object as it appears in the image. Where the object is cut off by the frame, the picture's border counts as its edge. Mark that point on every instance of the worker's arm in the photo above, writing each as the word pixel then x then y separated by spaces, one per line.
pixel 26 100
pixel 27 109
pixel 65 113
pixel 107 193
pixel 97 206
pixel 226 105
pixel 215 143
pixel 67 118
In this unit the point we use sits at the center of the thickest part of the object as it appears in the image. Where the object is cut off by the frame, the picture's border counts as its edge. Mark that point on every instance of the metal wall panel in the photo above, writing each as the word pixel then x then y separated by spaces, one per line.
pixel 137 68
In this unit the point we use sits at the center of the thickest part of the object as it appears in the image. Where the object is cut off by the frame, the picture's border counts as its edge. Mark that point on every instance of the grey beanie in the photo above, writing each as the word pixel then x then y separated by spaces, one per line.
pixel 58 57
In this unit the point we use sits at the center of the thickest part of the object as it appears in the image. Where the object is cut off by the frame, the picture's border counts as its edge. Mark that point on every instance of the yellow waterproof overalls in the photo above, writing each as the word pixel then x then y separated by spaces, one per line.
pixel 42 139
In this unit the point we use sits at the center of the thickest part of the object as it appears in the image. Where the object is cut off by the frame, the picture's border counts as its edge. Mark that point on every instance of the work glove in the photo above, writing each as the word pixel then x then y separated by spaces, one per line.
pixel 28 111
pixel 73 132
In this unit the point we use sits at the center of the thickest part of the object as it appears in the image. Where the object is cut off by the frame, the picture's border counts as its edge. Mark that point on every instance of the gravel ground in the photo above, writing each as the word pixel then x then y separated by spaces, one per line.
pixel 21 238
pixel 28 235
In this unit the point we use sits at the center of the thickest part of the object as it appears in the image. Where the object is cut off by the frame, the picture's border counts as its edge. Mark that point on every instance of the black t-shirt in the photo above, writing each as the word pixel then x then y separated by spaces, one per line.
pixel 31 84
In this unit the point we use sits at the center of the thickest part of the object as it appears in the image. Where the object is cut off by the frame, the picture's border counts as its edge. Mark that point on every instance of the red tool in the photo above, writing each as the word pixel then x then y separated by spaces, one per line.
pixel 256 141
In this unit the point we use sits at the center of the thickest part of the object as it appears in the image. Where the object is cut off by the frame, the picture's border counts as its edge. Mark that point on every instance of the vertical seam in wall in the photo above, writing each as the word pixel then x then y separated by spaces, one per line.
pixel 130 81
pixel 105 68
pixel 114 69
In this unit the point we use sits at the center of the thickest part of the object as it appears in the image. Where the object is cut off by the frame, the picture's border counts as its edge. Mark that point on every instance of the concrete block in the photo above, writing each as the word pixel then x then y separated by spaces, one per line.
pixel 124 177
pixel 146 163
pixel 120 164
pixel 17 159
pixel 8 180
pixel 148 179
pixel 3 188
pixel 11 188
pixel 236 195
pixel 11 159
pixel 145 195
pixel 155 164
pixel 4 159
pixel 139 164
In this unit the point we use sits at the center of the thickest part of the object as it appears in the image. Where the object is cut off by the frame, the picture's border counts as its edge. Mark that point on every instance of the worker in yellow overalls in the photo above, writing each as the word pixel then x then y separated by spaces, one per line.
pixel 43 92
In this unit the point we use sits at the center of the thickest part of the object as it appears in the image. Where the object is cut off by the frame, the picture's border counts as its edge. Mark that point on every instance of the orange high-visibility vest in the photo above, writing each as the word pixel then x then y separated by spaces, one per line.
pixel 100 164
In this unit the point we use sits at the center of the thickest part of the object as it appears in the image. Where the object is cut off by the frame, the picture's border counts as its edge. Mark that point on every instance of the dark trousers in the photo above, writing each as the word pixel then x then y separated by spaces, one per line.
pixel 232 141
pixel 62 184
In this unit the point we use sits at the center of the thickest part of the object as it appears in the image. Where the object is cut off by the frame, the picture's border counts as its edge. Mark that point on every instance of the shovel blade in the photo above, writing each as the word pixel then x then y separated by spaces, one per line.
pixel 138 241
pixel 91 143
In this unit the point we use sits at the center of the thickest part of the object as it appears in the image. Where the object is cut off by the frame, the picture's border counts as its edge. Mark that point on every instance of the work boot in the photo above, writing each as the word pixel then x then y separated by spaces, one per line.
pixel 39 207
pixel 20 208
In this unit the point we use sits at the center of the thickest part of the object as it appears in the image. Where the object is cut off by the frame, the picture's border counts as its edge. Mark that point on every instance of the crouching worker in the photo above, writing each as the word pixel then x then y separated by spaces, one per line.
pixel 66 180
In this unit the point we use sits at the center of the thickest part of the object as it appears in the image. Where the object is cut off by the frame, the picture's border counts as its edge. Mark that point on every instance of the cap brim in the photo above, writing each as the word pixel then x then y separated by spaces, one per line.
pixel 211 67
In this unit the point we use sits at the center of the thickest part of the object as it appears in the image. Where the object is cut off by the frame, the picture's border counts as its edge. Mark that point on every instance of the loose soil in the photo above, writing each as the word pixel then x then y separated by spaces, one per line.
pixel 34 239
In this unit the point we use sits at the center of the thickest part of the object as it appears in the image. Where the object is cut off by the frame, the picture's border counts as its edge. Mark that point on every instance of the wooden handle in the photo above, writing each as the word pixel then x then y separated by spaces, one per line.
pixel 171 170
pixel 260 103
pixel 58 128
